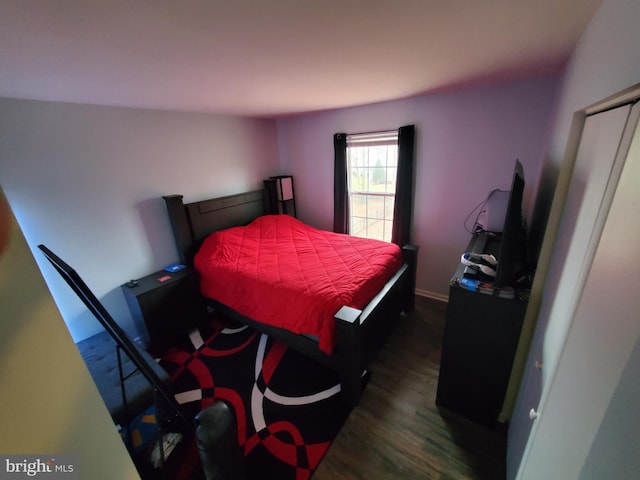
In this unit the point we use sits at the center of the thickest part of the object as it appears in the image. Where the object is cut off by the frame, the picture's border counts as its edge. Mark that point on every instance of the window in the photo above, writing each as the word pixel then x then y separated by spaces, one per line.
pixel 372 165
pixel 396 159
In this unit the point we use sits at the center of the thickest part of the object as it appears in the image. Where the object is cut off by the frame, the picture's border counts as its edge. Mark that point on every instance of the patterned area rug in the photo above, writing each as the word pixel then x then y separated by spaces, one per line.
pixel 287 406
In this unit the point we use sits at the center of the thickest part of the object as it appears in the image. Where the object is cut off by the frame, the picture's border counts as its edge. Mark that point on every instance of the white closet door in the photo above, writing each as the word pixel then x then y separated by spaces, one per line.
pixel 608 333
pixel 581 224
pixel 606 323
pixel 593 321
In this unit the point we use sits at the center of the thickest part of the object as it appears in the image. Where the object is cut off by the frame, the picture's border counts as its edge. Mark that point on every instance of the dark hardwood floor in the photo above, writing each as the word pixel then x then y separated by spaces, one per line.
pixel 397 431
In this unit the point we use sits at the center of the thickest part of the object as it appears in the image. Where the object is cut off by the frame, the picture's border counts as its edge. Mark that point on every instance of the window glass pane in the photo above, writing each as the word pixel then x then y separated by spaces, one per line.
pixel 372 168
pixel 392 173
pixel 375 207
pixel 378 178
pixel 388 228
pixel 392 156
pixel 358 205
pixel 358 227
pixel 374 229
pixel 388 208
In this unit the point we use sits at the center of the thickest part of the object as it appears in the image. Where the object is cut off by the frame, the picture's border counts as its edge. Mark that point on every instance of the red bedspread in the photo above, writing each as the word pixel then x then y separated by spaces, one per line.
pixel 281 272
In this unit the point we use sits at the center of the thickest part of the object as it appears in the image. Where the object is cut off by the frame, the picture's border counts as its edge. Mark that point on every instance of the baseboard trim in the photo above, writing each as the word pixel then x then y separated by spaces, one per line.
pixel 432 295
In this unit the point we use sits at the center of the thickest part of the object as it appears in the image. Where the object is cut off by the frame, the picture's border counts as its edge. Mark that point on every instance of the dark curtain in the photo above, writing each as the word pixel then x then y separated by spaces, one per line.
pixel 403 209
pixel 340 197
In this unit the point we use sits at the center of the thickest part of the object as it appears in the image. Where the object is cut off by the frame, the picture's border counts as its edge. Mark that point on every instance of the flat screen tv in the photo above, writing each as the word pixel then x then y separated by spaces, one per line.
pixel 511 254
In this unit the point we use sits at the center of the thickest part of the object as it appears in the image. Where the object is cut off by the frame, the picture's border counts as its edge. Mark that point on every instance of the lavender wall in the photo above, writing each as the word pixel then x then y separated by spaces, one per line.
pixel 466 145
pixel 87 181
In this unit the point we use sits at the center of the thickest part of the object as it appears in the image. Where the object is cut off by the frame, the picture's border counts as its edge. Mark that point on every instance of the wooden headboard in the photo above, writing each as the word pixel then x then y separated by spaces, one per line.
pixel 192 222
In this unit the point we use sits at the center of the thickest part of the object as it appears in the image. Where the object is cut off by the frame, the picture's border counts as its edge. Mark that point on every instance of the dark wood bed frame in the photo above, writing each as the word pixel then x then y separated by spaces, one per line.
pixel 359 333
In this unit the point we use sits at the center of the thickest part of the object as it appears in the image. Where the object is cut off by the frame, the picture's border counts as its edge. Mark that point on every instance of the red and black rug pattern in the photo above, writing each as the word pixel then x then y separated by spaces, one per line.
pixel 287 406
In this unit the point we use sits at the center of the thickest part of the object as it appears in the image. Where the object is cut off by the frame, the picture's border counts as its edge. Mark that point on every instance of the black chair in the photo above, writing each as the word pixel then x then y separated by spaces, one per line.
pixel 217 440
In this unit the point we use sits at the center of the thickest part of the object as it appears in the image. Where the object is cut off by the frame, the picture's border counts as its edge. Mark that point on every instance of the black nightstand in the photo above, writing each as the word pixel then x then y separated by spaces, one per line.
pixel 166 305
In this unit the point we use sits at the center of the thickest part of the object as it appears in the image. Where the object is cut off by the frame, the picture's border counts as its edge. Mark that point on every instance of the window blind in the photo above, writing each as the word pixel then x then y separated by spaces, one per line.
pixel 372 139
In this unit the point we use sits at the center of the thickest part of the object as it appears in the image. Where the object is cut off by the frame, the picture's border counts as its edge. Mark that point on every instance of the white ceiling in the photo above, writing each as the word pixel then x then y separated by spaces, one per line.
pixel 275 57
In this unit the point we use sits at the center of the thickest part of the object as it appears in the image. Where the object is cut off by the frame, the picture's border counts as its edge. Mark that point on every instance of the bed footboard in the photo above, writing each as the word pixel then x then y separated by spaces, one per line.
pixel 410 256
pixel 350 348
pixel 361 333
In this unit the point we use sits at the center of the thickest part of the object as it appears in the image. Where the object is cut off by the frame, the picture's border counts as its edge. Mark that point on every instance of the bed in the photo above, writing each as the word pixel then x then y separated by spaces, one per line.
pixel 357 333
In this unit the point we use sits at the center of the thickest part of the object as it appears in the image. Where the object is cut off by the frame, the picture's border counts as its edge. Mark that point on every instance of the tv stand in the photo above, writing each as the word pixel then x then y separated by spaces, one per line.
pixel 480 340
